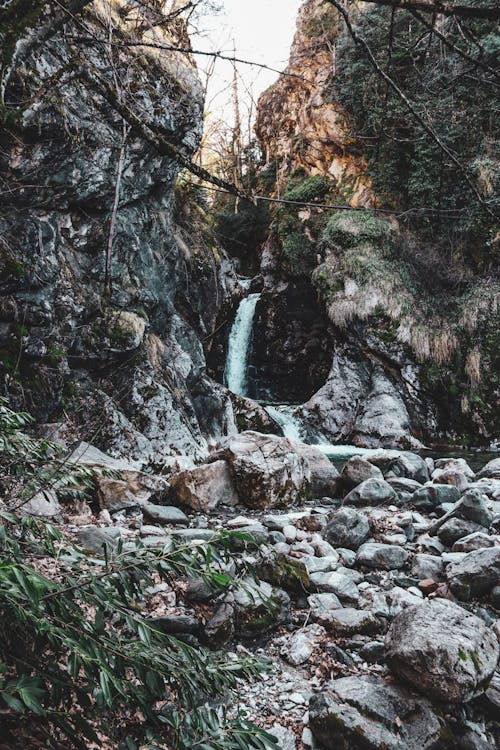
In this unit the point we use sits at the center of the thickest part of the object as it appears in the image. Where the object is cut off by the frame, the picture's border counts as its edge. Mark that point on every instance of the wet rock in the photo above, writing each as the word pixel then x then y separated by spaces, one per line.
pixel 471 542
pixel 432 495
pixel 368 713
pixel 347 528
pixel 371 492
pixel 204 487
pixel 338 584
pixel 456 528
pixel 358 470
pixel 267 471
pixel 442 650
pixel 475 574
pixel 385 556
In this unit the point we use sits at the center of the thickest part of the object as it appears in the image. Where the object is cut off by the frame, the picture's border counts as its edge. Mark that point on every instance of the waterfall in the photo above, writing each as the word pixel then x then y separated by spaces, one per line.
pixel 283 415
pixel 238 353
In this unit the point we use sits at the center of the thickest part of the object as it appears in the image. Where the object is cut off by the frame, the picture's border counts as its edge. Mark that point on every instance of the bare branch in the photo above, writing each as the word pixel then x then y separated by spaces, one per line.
pixel 489 13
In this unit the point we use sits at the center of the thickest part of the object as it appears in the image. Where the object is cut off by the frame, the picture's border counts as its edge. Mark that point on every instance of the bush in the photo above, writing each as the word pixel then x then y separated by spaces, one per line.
pixel 350 228
pixel 308 189
pixel 80 662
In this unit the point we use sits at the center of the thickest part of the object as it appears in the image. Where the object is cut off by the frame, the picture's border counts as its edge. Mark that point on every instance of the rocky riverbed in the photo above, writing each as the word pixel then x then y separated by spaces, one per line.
pixel 374 591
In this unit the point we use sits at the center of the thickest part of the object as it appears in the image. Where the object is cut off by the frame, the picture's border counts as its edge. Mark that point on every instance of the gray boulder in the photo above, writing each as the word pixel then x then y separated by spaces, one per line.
pixel 349 621
pixel 367 713
pixel 471 542
pixel 475 574
pixel 347 528
pixel 427 566
pixel 400 464
pixel 432 495
pixel 456 528
pixel 96 540
pixel 338 584
pixel 371 492
pixel 490 471
pixel 357 470
pixel 384 556
pixel 204 487
pixel 324 475
pixel 442 650
pixel 267 471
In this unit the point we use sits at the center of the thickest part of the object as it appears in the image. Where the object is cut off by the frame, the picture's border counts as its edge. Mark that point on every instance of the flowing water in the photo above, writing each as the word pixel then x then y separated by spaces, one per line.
pixel 285 415
pixel 240 339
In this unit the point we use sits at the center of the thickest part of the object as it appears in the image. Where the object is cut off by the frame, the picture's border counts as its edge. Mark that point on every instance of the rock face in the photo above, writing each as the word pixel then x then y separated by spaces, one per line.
pixel 267 470
pixel 125 356
pixel 442 651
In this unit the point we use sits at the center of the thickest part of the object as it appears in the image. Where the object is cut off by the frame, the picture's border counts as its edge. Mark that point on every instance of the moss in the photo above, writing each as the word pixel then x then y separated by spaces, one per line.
pixel 308 189
pixel 462 654
pixel 351 228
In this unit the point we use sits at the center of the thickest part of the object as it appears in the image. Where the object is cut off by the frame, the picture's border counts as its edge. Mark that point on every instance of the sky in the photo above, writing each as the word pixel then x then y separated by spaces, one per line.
pixel 262 31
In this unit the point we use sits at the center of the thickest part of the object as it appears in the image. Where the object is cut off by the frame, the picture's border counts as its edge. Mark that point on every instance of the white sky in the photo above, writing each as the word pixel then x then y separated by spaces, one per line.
pixel 262 31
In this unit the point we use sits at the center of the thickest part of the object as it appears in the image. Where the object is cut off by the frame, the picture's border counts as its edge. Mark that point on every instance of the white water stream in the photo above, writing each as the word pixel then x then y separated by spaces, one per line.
pixel 240 339
pixel 236 379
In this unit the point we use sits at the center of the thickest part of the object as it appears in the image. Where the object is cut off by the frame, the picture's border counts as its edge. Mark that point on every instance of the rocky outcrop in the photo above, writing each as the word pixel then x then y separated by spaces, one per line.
pixel 102 311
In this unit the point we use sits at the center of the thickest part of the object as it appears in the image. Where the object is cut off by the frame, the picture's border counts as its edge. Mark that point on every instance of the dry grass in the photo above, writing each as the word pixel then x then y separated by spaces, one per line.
pixel 473 367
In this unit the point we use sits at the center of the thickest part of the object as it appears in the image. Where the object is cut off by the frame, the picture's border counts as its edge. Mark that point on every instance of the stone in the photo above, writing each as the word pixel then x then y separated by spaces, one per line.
pixel 427 566
pixel 286 738
pixel 347 528
pixel 456 528
pixel 299 647
pixel 384 556
pixel 428 586
pixel 432 495
pixel 349 621
pixel 43 504
pixel 358 470
pixel 220 627
pixel 267 471
pixel 442 650
pixel 259 607
pixel 371 492
pixel 324 475
pixel 336 583
pixel 491 470
pixel 285 572
pixel 454 464
pixel 176 624
pixel 323 603
pixel 471 542
pixel 451 477
pixel 204 487
pixel 367 713
pixel 472 507
pixel 94 539
pixel 475 574
pixel 400 464
pixel 167 514
pixel 115 495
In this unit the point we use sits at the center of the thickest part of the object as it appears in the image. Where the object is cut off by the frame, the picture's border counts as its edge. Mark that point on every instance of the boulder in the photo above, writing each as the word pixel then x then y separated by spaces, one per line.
pixel 371 492
pixel 285 572
pixel 324 475
pixel 299 647
pixel 167 514
pixel 400 464
pixel 475 574
pixel 366 713
pixel 349 621
pixel 338 584
pixel 267 470
pixel 357 470
pixel 442 650
pixel 490 471
pixel 115 495
pixel 471 542
pixel 454 464
pixel 204 487
pixel 347 528
pixel 220 627
pixel 96 540
pixel 432 495
pixel 44 505
pixel 456 528
pixel 427 566
pixel 259 607
pixel 384 556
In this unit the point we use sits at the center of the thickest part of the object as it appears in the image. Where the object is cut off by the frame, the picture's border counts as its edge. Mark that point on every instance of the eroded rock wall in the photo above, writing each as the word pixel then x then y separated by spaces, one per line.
pixel 124 367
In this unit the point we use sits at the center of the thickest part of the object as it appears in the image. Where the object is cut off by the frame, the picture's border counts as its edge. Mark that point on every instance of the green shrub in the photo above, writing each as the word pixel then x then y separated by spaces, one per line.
pixel 351 228
pixel 308 189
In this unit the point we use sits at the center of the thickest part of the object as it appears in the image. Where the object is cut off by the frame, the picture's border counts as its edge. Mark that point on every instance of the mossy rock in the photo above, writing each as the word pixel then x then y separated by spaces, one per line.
pixel 352 228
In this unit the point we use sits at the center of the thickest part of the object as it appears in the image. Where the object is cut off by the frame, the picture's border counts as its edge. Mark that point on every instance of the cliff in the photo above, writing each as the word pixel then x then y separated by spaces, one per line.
pixel 402 307
pixel 104 299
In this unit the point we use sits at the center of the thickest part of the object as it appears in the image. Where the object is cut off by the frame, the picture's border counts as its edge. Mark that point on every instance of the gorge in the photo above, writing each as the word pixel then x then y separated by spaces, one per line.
pixel 250 405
